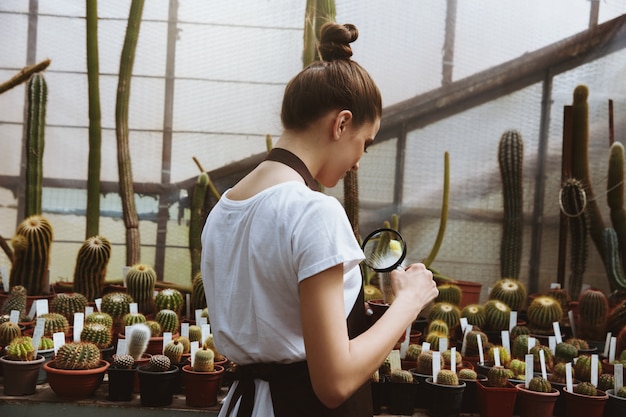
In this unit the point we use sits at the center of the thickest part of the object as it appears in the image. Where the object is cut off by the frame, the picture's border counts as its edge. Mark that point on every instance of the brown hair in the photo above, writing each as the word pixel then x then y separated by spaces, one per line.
pixel 334 82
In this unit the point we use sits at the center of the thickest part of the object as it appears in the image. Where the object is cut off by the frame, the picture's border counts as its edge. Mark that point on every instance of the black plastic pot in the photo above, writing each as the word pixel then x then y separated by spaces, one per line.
pixel 121 383
pixel 156 389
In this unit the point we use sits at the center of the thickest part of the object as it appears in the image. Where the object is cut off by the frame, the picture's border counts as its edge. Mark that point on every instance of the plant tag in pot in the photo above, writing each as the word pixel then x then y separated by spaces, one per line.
pixel 594 370
pixel 481 354
pixel 607 342
pixel 618 376
pixel 612 344
pixel 506 340
pixel 79 320
pixel 530 363
pixel 542 361
pixel 568 376
pixel 512 320
pixel 496 357
pixel 38 333
pixel 436 364
pixel 557 332
pixel 195 345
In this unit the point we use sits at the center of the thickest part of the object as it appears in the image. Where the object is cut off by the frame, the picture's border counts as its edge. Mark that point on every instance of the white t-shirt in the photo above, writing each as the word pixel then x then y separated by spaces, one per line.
pixel 254 254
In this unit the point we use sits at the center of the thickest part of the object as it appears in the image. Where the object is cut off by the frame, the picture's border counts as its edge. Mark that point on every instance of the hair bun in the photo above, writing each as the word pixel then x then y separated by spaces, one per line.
pixel 335 40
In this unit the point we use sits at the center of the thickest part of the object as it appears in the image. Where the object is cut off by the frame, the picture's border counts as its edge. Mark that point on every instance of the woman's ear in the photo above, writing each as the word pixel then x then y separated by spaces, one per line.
pixel 340 123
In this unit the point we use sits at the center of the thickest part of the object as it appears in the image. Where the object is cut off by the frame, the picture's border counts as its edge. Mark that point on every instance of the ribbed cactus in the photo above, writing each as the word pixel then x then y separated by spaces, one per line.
pixel 159 363
pixel 614 269
pixel 35 144
pixel 123 362
pixel 196 221
pixel 547 355
pixel 519 346
pixel 593 310
pixel 425 363
pixel 467 373
pixel 198 298
pixel 21 349
pixel 447 377
pixel 582 368
pixel 565 352
pixel 617 318
pixel 579 343
pixel 168 319
pixel 138 340
pixel 510 291
pixel 621 392
pixel 140 281
pixel 78 355
pixel 185 342
pixel 210 343
pixel 518 330
pixel 449 293
pixel 542 312
pixel 471 340
pixel 562 296
pixel 558 374
pixel 498 376
pixel 16 301
pixel 174 351
pixel 412 352
pixel 497 315
pixel 169 299
pixel 575 205
pixel 195 334
pixel 46 343
pixel 475 314
pixel 401 376
pixel 98 334
pixel 91 267
pixel 31 255
pixel 615 200
pixel 447 312
pixel 155 328
pixel 434 339
pixel 539 384
pixel 621 341
pixel 606 382
pixel 447 358
pixel 438 326
pixel 517 366
pixel 586 388
pixel 203 360
pixel 133 318
pixel 505 355
pixel 67 304
pixel 54 323
pixel 100 318
pixel 510 159
pixel 116 304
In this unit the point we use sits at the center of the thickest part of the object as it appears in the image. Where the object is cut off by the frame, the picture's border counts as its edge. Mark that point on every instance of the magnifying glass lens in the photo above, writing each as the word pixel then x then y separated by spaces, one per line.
pixel 384 250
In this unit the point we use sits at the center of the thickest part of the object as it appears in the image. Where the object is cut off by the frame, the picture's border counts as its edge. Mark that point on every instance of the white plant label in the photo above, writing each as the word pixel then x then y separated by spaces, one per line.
pixel 79 320
pixel 193 349
pixel 481 354
pixel 572 322
pixel 542 361
pixel 42 306
pixel 206 332
pixel 133 308
pixel 59 340
pixel 443 344
pixel 512 320
pixel 530 363
pixel 14 316
pixel 606 344
pixel 612 347
pixel 167 337
pixel 552 344
pixel 618 375
pixel 568 376
pixel 436 364
pixel 506 340
pixel 122 349
pixel 425 347
pixel 496 357
pixel 453 359
pixel 557 332
pixel 184 330
pixel 198 314
pixel 594 369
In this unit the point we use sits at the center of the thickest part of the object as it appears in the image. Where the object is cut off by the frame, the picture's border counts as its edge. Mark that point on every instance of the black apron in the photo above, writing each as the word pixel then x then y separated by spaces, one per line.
pixel 290 384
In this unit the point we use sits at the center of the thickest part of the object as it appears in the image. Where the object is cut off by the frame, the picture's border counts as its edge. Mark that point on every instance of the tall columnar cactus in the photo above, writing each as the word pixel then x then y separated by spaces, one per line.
pixel 141 280
pixel 203 360
pixel 615 195
pixel 67 304
pixel 196 221
pixel 542 312
pixel 198 298
pixel 91 267
pixel 170 299
pixel 575 205
pixel 593 310
pixel 31 246
pixel 35 128
pixel 510 159
pixel 16 301
pixel 510 291
pixel 580 165
pixel 614 270
pixel 78 355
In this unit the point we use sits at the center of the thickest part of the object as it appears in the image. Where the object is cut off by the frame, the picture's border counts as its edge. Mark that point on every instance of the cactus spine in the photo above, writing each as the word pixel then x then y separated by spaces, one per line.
pixel 159 363
pixel 593 309
pixel 123 361
pixel 8 332
pixel 466 373
pixel 542 312
pixel 168 320
pixel 67 304
pixel 35 127
pixel 401 376
pixel 91 267
pixel 138 340
pixel 449 313
pixel 98 334
pixel 574 203
pixel 510 158
pixel 510 291
pixel 169 299
pixel 78 355
pixel 21 349
pixel 203 360
pixel 497 315
pixel 31 247
pixel 475 314
pixel 100 318
pixel 141 281
pixel 16 301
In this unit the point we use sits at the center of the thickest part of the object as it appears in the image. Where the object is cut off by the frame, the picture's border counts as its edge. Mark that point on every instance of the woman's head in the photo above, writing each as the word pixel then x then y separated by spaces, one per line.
pixel 333 83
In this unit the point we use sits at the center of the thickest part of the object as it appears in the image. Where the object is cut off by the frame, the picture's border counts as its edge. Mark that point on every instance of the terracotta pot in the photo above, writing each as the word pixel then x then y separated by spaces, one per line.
pixel 446 400
pixel 156 389
pixel 20 377
pixel 609 368
pixel 75 384
pixel 202 388
pixel 496 402
pixel 578 405
pixel 535 404
pixel 615 406
pixel 30 299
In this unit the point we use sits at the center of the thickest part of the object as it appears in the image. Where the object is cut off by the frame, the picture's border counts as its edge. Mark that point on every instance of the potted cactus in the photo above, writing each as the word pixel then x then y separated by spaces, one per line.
pixel 470 376
pixel 537 399
pixel 496 396
pixel 122 373
pixel 76 371
pixel 156 381
pixel 20 367
pixel 202 379
pixel 402 392
pixel 584 400
pixel 616 404
pixel 447 394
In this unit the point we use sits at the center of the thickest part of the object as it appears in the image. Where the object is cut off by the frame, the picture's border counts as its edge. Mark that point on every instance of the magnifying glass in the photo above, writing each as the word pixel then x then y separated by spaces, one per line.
pixel 384 250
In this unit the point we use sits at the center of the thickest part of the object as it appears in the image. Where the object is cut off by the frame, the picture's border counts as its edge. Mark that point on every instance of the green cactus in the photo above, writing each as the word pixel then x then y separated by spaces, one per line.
pixel 518 330
pixel 471 342
pixel 195 334
pixel 558 374
pixel 519 346
pixel 100 318
pixel 46 343
pixel 438 326
pixel 16 301
pixel 401 376
pixel 615 200
pixel 67 304
pixel 562 296
pixel 497 315
pixel 547 355
pixel 614 269
pixel 475 314
pixel 449 293
pixel 196 221
pixel 21 349
pixel 123 362
pixel 617 318
pixel 412 352
pixel 621 392
pixel 198 298
pixel 586 388
pixel 447 377
pixel 31 255
pixel 574 202
pixel 140 281
pixel 505 355
pixel 168 319
pixel 606 382
pixel 203 360
pixel 91 267
pixel 621 340
pixel 133 318
pixel 155 328
pixel 582 368
pixel 542 312
pixel 78 355
pixel 174 351
pixel 565 352
pixel 169 299
pixel 434 339
pixel 510 159
pixel 98 334
pixel 578 343
pixel 593 310
pixel 517 366
pixel 539 384
pixel 443 218
pixel 447 312
pixel 447 358
pixel 511 292
pixel 185 342
pixel 116 304
pixel 210 343
pixel 159 363
pixel 425 363
pixel 498 376
pixel 467 373
pixel 35 144
pixel 54 323
pixel 138 340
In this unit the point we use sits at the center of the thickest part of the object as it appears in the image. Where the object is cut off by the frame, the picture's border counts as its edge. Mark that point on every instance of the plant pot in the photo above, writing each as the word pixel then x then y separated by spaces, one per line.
pixel 422 397
pixel 615 406
pixel 470 292
pixel 75 384
pixel 496 402
pixel 535 404
pixel 559 405
pixel 156 389
pixel 42 378
pixel 145 358
pixel 470 404
pixel 578 405
pixel 402 398
pixel 446 400
pixel 202 388
pixel 20 377
pixel 609 368
pixel 121 383
pixel 380 395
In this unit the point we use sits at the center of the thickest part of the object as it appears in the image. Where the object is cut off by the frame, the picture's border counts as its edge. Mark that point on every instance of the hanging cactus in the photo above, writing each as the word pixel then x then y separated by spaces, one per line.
pixel 31 246
pixel 91 267
pixel 510 159
pixel 575 205
pixel 593 310
pixel 35 127
pixel 196 221
pixel 140 281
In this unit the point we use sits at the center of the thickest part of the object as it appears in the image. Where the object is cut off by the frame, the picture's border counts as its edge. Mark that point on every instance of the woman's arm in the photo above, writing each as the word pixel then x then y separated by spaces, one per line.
pixel 339 366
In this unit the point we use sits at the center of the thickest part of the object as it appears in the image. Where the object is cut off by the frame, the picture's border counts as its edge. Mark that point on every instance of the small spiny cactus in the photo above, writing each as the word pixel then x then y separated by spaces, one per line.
pixel 8 332
pixel 511 292
pixel 21 349
pixel 98 334
pixel 169 299
pixel 425 363
pixel 198 297
pixel 449 293
pixel 558 375
pixel 123 361
pixel 467 373
pixel 133 318
pixel 539 384
pixel 203 360
pixel 498 376
pixel 582 368
pixel 621 392
pixel 31 255
pixel 138 340
pixel 438 326
pixel 174 351
pixel 185 342
pixel 412 352
pixel 168 319
pixel 16 301
pixel 449 313
pixel 447 377
pixel 211 345
pixel 155 328
pixel 54 323
pixel 100 318
pixel 475 314
pixel 565 352
pixel 505 356
pixel 116 304
pixel 518 367
pixel 67 304
pixel 593 310
pixel 586 388
pixel 159 363
pixel 401 376
pixel 78 355
pixel 606 382
pixel 542 312
pixel 195 334
pixel 497 315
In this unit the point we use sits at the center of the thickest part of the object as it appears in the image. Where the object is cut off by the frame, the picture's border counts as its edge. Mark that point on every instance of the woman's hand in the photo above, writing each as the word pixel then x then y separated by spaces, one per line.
pixel 414 285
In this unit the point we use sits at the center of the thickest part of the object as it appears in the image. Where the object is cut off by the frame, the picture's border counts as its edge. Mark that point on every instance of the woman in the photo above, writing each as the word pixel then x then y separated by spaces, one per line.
pixel 280 261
